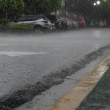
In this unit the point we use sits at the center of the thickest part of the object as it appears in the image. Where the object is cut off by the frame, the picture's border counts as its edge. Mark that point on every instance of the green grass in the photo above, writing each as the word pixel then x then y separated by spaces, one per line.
pixel 99 97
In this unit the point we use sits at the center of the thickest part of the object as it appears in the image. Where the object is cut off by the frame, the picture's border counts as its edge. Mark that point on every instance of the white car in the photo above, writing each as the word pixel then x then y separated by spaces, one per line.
pixel 39 22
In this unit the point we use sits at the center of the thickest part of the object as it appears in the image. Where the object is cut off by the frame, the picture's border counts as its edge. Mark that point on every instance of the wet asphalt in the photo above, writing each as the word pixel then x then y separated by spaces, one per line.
pixel 25 60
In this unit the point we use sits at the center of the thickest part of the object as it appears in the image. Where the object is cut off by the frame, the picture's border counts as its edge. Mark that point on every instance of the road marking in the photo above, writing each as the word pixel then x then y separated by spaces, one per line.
pixel 12 54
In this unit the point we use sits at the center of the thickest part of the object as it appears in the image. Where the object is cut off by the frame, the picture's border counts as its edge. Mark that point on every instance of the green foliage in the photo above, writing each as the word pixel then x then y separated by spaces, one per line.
pixel 41 6
pixel 20 28
pixel 4 21
pixel 2 28
pixel 11 8
pixel 106 8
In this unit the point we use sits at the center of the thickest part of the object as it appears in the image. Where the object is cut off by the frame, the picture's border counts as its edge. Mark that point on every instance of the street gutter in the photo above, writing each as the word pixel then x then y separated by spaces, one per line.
pixel 77 94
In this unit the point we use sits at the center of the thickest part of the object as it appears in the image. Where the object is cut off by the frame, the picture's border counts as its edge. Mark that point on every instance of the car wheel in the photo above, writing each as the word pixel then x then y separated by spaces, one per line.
pixel 38 30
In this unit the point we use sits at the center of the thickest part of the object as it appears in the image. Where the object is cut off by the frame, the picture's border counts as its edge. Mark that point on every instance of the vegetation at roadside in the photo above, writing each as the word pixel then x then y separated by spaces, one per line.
pixel 98 98
pixel 11 8
pixel 4 21
pixel 41 6
pixel 2 28
pixel 20 28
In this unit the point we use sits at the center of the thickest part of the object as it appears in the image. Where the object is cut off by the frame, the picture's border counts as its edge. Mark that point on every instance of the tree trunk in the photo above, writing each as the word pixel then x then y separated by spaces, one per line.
pixel 55 12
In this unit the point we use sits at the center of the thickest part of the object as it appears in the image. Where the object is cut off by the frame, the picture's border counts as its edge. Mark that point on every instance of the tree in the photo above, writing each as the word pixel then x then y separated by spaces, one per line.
pixel 41 6
pixel 105 10
pixel 11 8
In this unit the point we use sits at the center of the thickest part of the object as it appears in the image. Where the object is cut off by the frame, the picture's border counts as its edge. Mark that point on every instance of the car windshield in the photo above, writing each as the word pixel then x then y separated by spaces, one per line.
pixel 52 18
pixel 68 19
pixel 45 18
pixel 76 19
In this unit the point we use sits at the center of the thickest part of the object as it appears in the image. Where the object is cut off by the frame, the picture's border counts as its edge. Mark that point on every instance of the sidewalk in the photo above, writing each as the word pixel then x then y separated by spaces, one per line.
pixel 77 94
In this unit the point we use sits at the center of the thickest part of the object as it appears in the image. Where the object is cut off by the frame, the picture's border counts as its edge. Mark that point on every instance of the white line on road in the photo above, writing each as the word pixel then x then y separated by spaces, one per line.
pixel 12 54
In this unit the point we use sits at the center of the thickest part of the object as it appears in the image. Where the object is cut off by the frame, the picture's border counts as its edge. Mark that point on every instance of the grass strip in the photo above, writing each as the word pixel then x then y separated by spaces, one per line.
pixel 99 97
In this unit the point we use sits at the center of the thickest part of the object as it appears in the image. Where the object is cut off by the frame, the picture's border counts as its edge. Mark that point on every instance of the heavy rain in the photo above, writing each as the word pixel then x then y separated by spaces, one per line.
pixel 47 47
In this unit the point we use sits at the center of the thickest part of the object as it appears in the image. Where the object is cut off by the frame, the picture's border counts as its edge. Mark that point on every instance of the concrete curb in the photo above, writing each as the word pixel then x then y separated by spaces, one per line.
pixel 77 94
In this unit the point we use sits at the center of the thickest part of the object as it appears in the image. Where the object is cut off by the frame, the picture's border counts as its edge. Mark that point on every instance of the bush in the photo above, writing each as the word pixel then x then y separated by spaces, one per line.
pixel 4 21
pixel 20 28
pixel 2 28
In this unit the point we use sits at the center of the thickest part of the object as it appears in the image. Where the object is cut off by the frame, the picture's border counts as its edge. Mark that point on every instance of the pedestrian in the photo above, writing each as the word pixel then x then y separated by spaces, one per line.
pixel 101 24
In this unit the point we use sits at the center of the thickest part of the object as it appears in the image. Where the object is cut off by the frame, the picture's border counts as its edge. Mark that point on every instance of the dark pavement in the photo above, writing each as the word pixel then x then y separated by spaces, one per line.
pixel 24 60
